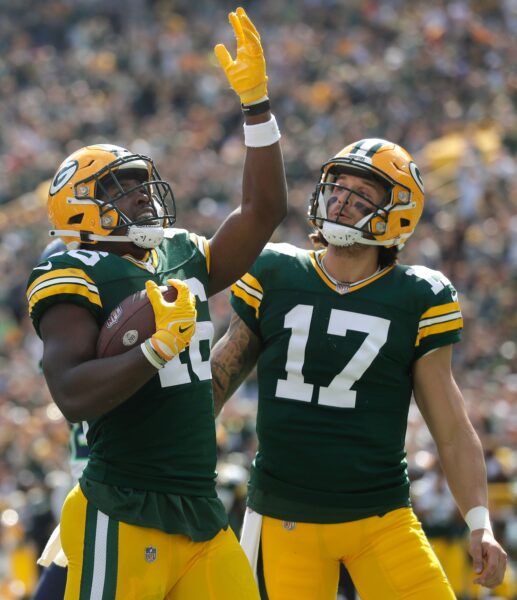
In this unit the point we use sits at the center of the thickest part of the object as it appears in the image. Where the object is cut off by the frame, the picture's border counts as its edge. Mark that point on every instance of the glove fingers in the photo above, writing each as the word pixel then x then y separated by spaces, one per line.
pixel 237 28
pixel 184 295
pixel 154 294
pixel 246 22
pixel 223 56
pixel 252 41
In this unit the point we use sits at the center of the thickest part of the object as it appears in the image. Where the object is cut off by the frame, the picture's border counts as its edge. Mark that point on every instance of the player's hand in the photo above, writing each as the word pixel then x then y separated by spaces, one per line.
pixel 175 321
pixel 247 73
pixel 489 559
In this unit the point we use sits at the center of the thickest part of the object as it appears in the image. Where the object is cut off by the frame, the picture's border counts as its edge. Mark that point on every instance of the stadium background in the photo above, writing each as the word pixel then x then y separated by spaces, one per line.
pixel 438 77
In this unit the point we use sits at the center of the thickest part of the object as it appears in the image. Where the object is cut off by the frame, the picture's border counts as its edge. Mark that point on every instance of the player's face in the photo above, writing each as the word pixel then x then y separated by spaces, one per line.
pixel 137 204
pixel 352 198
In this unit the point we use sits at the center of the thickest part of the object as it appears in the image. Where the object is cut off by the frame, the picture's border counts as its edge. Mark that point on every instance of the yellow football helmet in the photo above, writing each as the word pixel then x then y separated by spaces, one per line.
pixel 83 212
pixel 389 224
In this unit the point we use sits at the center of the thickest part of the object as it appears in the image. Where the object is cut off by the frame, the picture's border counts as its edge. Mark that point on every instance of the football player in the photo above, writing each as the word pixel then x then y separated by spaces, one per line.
pixel 145 520
pixel 342 337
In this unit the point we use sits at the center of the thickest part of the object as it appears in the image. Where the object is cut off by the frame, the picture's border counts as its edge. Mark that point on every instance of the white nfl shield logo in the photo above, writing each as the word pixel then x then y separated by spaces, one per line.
pixel 150 554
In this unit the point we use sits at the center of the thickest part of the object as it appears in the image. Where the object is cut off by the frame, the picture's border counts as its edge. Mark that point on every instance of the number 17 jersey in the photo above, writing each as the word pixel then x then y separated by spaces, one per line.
pixel 335 381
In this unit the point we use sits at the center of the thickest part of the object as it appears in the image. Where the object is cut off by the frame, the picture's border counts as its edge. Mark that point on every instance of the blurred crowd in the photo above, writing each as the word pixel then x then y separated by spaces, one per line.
pixel 437 77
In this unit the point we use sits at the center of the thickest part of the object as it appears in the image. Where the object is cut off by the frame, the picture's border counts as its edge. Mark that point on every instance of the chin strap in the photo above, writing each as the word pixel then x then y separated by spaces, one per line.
pixel 341 235
pixel 143 236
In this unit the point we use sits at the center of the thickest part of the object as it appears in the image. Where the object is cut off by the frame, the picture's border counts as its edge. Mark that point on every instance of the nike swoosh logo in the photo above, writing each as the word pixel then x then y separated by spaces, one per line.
pixel 45 267
pixel 183 329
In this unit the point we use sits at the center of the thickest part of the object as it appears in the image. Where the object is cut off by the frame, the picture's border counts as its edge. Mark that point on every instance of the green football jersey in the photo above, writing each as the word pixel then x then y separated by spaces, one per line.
pixel 162 439
pixel 335 381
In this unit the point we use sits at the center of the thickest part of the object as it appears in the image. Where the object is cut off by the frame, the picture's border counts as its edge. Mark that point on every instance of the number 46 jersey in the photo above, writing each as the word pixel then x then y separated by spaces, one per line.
pixel 335 381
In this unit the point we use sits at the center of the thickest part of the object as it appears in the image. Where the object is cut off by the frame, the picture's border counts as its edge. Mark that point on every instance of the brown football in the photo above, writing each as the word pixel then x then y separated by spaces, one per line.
pixel 130 323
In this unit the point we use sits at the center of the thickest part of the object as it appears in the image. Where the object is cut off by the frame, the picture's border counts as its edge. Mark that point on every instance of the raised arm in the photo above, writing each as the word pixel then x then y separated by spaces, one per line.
pixel 232 359
pixel 461 455
pixel 245 232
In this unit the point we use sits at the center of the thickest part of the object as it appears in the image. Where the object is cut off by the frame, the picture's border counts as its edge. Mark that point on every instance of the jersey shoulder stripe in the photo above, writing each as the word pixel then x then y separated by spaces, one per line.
pixel 62 281
pixel 439 319
pixel 250 291
pixel 203 246
pixel 452 325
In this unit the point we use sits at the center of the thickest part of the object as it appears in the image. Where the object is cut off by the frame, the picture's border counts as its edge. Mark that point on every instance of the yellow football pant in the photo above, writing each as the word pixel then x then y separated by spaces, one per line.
pixel 111 560
pixel 388 558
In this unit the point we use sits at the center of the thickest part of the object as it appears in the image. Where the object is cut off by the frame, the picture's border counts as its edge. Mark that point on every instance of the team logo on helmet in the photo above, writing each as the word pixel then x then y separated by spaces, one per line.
pixel 63 176
pixel 415 172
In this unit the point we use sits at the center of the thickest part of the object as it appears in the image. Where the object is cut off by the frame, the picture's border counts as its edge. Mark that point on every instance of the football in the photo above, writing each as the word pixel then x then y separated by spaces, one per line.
pixel 130 323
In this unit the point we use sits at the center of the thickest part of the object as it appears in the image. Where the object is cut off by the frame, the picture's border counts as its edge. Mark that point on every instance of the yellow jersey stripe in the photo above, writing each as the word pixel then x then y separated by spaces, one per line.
pixel 56 274
pixel 438 328
pixel 252 282
pixel 203 246
pixel 449 317
pixel 64 288
pixel 441 310
pixel 207 254
pixel 248 298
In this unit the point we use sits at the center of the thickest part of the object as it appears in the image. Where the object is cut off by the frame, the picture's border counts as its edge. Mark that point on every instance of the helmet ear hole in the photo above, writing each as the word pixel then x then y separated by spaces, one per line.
pixel 76 219
pixel 405 222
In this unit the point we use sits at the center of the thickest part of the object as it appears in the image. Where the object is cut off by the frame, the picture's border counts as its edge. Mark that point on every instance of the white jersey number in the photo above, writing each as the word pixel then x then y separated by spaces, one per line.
pixel 176 372
pixel 339 393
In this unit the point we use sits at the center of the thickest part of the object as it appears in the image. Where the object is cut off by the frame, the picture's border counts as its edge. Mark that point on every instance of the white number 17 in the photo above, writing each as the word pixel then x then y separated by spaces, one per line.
pixel 339 393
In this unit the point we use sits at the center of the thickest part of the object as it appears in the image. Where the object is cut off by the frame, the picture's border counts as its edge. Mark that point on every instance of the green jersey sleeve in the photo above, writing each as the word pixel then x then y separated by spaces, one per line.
pixel 64 277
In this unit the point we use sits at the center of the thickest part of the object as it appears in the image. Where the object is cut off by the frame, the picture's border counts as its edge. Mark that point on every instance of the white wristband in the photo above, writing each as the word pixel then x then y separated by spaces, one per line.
pixel 150 354
pixel 478 518
pixel 262 134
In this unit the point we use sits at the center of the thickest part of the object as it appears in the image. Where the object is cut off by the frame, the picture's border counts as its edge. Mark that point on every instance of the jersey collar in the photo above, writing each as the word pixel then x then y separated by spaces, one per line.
pixel 342 287
pixel 149 262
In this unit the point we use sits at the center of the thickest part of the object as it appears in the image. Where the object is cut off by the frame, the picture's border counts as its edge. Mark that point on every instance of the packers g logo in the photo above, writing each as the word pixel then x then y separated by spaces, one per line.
pixel 415 172
pixel 63 176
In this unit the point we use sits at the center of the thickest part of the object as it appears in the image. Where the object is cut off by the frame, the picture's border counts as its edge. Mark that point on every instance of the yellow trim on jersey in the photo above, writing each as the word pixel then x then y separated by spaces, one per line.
pixel 62 281
pixel 438 328
pixel 250 300
pixel 253 283
pixel 154 258
pixel 251 296
pixel 207 254
pixel 443 309
pixel 319 270
pixel 438 319
pixel 149 262
pixel 353 286
pixel 203 246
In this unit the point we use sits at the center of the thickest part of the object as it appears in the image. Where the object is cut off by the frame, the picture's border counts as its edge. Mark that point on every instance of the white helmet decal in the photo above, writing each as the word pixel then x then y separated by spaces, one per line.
pixel 63 176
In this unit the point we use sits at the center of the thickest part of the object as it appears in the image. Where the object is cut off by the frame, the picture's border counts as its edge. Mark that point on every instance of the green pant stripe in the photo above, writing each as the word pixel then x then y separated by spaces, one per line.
pixel 110 583
pixel 90 527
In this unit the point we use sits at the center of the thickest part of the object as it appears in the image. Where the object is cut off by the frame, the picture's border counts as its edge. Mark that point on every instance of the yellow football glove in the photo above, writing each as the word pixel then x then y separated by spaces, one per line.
pixel 175 322
pixel 247 73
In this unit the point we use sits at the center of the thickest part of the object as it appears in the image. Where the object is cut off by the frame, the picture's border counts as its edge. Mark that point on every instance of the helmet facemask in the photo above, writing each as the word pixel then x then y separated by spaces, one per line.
pixel 375 214
pixel 146 231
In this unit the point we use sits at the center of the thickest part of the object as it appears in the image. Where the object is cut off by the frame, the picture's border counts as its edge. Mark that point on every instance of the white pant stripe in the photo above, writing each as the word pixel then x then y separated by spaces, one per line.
pixel 99 561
